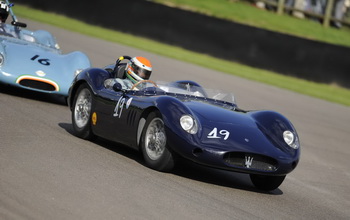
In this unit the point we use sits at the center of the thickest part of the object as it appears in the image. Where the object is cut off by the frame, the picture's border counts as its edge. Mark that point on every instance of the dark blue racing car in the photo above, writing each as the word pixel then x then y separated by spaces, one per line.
pixel 167 120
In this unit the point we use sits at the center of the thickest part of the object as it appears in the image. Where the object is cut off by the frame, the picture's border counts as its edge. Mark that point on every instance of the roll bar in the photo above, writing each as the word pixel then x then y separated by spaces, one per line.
pixel 14 18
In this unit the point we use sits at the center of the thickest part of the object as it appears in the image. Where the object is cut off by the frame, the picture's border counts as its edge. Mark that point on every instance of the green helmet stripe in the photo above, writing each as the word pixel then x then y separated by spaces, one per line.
pixel 131 78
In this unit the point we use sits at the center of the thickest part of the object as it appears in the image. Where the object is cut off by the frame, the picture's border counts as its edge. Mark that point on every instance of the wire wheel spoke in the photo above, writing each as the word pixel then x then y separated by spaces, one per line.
pixel 82 108
pixel 155 139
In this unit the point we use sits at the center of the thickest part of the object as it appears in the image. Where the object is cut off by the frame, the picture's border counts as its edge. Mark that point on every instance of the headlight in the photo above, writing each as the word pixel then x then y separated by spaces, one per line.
pixel 188 124
pixel 291 139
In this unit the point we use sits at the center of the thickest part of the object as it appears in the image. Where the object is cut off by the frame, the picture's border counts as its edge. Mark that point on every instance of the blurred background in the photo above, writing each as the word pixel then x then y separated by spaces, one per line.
pixel 308 39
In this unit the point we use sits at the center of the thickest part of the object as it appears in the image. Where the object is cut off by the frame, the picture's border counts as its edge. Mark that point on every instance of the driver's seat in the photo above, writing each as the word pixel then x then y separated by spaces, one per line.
pixel 120 73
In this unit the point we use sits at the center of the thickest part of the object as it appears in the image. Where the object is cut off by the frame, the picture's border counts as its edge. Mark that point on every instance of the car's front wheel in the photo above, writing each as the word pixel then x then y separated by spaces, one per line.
pixel 81 113
pixel 266 183
pixel 154 144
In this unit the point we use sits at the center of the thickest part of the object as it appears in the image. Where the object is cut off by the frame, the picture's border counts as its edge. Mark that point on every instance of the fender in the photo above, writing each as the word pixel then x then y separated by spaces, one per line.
pixel 94 77
pixel 77 60
pixel 273 124
pixel 171 109
pixel 45 38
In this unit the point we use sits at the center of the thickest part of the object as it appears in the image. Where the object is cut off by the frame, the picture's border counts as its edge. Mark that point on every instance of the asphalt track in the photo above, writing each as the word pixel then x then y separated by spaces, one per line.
pixel 48 173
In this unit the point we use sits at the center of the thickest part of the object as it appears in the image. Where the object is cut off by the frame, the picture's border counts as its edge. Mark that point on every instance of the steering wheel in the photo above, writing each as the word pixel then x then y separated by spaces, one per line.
pixel 143 81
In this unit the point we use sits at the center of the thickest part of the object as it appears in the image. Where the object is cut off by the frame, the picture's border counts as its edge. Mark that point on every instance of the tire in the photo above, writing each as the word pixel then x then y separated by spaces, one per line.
pixel 81 113
pixel 154 144
pixel 266 183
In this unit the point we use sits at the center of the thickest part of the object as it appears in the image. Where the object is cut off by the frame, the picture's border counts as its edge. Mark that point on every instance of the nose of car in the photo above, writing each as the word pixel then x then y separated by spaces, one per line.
pixel 238 137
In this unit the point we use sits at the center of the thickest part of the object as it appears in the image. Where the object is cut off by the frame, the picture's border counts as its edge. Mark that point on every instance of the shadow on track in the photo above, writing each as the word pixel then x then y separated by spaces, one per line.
pixel 185 168
pixel 194 171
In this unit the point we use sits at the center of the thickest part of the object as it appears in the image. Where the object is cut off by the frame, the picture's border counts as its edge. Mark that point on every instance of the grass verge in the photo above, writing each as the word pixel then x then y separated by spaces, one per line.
pixel 242 11
pixel 323 91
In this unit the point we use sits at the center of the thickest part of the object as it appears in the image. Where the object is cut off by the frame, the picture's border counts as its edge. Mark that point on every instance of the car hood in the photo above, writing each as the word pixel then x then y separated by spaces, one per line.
pixel 208 111
pixel 225 128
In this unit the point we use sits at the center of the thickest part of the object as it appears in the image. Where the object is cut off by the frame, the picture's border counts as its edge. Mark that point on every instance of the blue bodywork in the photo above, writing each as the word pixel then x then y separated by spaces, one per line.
pixel 228 137
pixel 33 60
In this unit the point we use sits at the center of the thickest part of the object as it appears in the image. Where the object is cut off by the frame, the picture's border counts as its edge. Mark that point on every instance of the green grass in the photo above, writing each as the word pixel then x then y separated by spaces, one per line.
pixel 322 91
pixel 245 13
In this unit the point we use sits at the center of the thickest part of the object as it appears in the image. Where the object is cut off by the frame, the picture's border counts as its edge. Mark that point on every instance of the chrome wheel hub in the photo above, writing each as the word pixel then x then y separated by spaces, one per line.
pixel 155 139
pixel 82 108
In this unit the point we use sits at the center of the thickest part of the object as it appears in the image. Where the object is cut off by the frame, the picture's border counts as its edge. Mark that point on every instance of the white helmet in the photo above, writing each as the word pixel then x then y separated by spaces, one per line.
pixel 138 69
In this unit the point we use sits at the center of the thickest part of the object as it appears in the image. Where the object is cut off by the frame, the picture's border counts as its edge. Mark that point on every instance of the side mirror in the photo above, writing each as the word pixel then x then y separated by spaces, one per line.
pixel 19 24
pixel 117 87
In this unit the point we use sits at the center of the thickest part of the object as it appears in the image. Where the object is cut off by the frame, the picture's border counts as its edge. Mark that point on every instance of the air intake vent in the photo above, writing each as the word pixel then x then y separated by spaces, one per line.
pixel 251 161
pixel 37 83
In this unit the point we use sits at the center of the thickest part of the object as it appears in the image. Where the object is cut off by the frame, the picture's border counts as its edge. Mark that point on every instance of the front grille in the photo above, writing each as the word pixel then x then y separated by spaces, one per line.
pixel 251 161
pixel 37 85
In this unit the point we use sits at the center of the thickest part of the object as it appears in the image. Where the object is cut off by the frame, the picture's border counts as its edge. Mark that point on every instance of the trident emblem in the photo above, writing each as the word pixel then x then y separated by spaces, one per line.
pixel 248 161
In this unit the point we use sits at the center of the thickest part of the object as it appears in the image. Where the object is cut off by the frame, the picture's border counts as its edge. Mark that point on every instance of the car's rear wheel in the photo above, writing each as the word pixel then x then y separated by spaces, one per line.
pixel 81 113
pixel 154 144
pixel 266 183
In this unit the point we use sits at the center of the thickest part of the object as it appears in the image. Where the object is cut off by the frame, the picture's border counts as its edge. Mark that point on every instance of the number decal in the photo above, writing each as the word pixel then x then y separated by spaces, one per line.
pixel 45 62
pixel 119 107
pixel 36 56
pixel 223 134
pixel 213 133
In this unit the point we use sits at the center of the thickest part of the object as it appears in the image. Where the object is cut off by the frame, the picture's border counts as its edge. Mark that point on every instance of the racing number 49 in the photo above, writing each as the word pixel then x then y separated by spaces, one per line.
pixel 221 134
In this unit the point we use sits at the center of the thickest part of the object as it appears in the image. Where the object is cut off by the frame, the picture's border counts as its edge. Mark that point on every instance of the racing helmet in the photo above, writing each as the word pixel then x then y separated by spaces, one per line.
pixel 138 69
pixel 4 11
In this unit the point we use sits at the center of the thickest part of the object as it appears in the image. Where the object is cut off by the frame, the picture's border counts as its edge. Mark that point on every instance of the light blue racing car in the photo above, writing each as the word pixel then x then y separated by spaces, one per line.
pixel 34 61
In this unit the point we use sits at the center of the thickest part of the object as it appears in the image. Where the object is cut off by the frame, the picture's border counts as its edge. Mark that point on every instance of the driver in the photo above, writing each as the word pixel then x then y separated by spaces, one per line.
pixel 136 70
pixel 4 11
